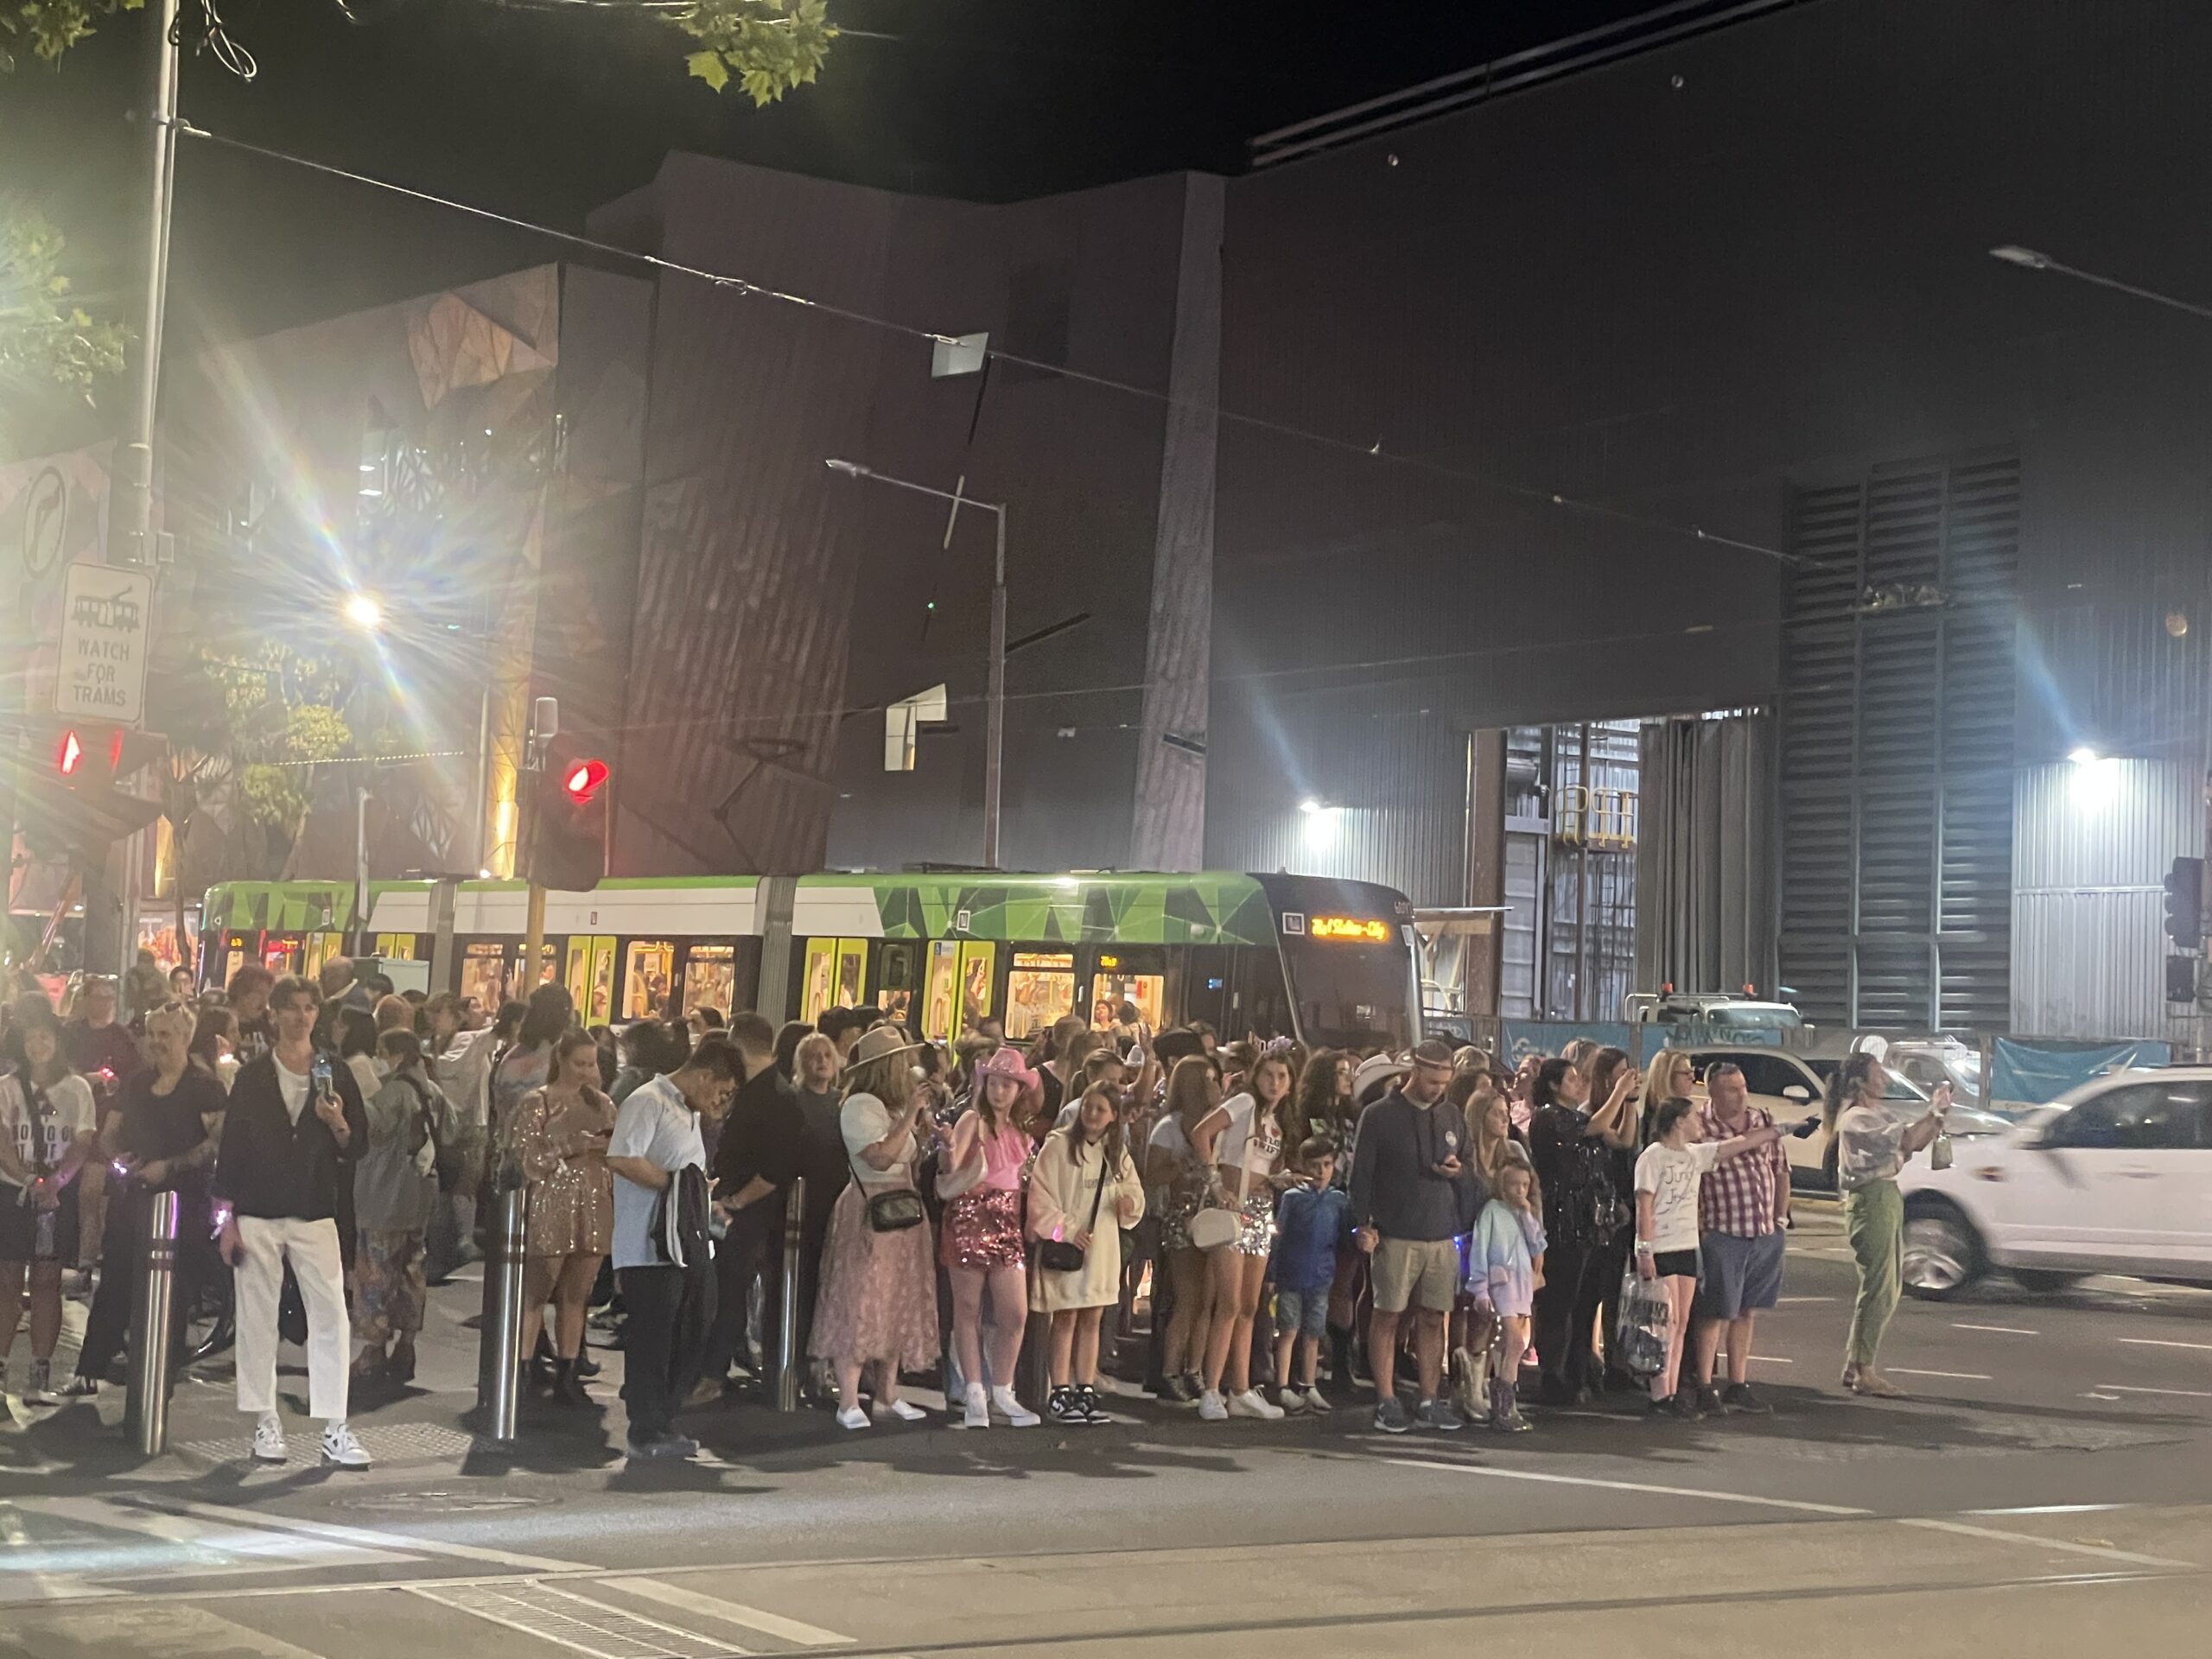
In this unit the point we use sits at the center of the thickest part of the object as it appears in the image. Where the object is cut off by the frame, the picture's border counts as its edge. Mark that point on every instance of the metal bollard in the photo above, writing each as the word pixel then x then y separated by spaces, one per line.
pixel 787 1359
pixel 146 1404
pixel 500 1355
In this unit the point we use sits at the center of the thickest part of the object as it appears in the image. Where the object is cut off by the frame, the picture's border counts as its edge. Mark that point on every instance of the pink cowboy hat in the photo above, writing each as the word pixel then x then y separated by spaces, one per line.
pixel 1005 1062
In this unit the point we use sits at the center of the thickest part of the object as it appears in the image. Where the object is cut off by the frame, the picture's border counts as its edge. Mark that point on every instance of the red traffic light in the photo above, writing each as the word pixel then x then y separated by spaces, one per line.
pixel 68 754
pixel 583 778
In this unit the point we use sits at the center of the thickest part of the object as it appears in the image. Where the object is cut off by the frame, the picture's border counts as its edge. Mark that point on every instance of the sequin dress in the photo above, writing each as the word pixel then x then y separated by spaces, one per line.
pixel 563 1152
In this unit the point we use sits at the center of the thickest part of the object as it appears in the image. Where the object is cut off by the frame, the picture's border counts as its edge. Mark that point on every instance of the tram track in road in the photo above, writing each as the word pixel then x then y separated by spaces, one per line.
pixel 1414 1594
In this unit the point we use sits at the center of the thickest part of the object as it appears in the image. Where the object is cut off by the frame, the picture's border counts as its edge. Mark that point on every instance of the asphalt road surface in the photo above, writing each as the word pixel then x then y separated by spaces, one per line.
pixel 2047 1490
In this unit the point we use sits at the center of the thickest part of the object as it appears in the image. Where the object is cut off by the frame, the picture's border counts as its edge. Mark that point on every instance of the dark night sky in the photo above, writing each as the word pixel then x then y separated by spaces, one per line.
pixel 544 113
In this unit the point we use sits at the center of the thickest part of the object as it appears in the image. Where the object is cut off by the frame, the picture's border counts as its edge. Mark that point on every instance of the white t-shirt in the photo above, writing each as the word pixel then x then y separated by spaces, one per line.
pixel 1239 1148
pixel 72 1115
pixel 863 1120
pixel 294 1086
pixel 657 1124
pixel 1671 1174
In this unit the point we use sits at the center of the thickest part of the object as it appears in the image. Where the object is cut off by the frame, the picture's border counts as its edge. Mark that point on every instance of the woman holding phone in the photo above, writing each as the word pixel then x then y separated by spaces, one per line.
pixel 1241 1140
pixel 559 1133
pixel 1871 1145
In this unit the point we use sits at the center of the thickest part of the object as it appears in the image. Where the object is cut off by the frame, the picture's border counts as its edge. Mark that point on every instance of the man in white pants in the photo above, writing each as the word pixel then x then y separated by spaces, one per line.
pixel 294 1127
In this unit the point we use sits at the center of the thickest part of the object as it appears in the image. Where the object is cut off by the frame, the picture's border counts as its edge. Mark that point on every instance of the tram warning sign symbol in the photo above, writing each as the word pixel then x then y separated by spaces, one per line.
pixel 107 613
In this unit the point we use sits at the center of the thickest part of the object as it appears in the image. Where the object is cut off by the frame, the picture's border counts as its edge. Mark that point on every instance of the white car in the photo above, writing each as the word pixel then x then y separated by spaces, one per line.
pixel 2116 1177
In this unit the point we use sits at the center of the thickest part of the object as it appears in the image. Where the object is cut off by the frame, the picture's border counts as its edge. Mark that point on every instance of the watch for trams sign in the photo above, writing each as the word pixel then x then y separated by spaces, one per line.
pixel 107 614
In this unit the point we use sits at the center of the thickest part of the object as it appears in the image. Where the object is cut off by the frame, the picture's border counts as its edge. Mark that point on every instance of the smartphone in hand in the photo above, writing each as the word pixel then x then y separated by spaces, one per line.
pixel 1806 1129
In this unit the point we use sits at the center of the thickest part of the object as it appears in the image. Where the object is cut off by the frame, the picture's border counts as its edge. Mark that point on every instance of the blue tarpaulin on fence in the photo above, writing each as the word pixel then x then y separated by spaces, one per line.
pixel 2034 1074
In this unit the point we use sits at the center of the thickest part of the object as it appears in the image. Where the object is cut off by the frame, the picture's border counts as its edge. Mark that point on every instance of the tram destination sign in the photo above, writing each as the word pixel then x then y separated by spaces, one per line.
pixel 107 614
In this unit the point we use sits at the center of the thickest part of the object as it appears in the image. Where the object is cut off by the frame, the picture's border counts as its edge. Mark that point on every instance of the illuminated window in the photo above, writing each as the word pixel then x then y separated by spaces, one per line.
pixel 942 990
pixel 645 978
pixel 1110 991
pixel 484 973
pixel 1039 990
pixel 710 978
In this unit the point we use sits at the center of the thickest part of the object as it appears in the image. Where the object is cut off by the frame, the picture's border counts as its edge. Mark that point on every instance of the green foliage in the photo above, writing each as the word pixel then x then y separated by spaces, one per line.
pixel 44 335
pixel 282 720
pixel 47 28
pixel 767 47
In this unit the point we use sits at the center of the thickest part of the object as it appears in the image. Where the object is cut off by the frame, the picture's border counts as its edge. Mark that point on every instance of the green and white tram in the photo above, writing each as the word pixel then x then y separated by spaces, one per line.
pixel 1329 961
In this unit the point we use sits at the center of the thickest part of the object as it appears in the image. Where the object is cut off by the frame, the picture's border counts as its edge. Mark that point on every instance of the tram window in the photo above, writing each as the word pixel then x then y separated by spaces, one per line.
pixel 710 978
pixel 589 976
pixel 1109 989
pixel 852 966
pixel 976 963
pixel 942 988
pixel 1040 989
pixel 646 974
pixel 894 990
pixel 484 973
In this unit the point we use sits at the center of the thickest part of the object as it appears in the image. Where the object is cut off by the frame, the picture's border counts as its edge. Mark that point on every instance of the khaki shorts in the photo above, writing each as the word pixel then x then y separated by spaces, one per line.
pixel 1406 1268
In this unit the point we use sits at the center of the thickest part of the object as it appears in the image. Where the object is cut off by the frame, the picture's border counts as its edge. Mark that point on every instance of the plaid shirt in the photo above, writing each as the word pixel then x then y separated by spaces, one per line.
pixel 1736 1195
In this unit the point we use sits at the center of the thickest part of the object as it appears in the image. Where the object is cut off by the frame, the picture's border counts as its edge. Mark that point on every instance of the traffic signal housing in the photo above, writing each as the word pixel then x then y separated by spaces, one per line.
pixel 565 848
pixel 2185 903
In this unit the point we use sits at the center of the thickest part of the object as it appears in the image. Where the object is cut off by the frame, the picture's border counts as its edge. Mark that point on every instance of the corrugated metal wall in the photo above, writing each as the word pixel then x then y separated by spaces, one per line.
pixel 1705 846
pixel 1394 782
pixel 2091 847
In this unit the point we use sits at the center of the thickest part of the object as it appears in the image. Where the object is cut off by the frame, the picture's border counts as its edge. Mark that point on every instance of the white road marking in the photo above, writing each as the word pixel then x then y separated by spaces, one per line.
pixel 2158 1342
pixel 369 1538
pixel 731 1612
pixel 2184 1394
pixel 2052 1509
pixel 511 1609
pixel 1810 1298
pixel 1995 1329
pixel 1948 1376
pixel 1488 1472
pixel 1772 1359
pixel 2102 1552
pixel 50 1586
pixel 257 1549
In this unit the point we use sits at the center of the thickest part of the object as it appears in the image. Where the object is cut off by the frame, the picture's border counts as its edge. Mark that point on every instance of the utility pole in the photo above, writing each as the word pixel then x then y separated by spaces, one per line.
pixel 108 932
pixel 544 727
pixel 130 504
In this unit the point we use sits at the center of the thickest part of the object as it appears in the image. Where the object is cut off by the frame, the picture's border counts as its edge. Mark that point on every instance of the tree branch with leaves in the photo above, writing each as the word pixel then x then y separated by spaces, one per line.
pixel 44 336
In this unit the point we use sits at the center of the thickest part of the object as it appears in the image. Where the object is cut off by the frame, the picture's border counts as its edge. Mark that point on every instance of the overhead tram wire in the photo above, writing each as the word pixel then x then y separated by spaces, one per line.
pixel 759 290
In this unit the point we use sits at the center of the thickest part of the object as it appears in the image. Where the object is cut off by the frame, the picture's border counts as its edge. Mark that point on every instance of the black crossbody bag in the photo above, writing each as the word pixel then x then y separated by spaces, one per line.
pixel 1058 1254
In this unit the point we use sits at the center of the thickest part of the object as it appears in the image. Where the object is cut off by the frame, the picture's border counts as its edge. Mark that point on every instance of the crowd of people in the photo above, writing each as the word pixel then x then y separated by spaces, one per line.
pixel 998 1215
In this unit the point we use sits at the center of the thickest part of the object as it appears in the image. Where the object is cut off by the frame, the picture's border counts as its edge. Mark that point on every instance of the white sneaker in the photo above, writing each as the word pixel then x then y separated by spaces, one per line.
pixel 851 1417
pixel 341 1449
pixel 1316 1400
pixel 900 1410
pixel 1016 1413
pixel 1249 1404
pixel 1213 1408
pixel 1290 1401
pixel 269 1440
pixel 978 1407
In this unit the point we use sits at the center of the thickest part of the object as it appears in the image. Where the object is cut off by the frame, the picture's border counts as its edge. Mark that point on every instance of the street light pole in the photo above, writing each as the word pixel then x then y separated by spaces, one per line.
pixel 131 512
pixel 995 719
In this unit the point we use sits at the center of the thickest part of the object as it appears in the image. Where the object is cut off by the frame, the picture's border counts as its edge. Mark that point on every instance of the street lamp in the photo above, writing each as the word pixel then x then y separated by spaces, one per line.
pixel 994 720
pixel 363 612
pixel 2030 259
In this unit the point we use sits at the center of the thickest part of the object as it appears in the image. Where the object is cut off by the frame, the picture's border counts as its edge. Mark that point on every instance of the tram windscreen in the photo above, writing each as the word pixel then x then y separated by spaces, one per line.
pixel 1354 997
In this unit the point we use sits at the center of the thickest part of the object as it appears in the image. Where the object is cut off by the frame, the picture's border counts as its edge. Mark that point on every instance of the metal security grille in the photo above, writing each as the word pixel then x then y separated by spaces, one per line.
pixel 1897 762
